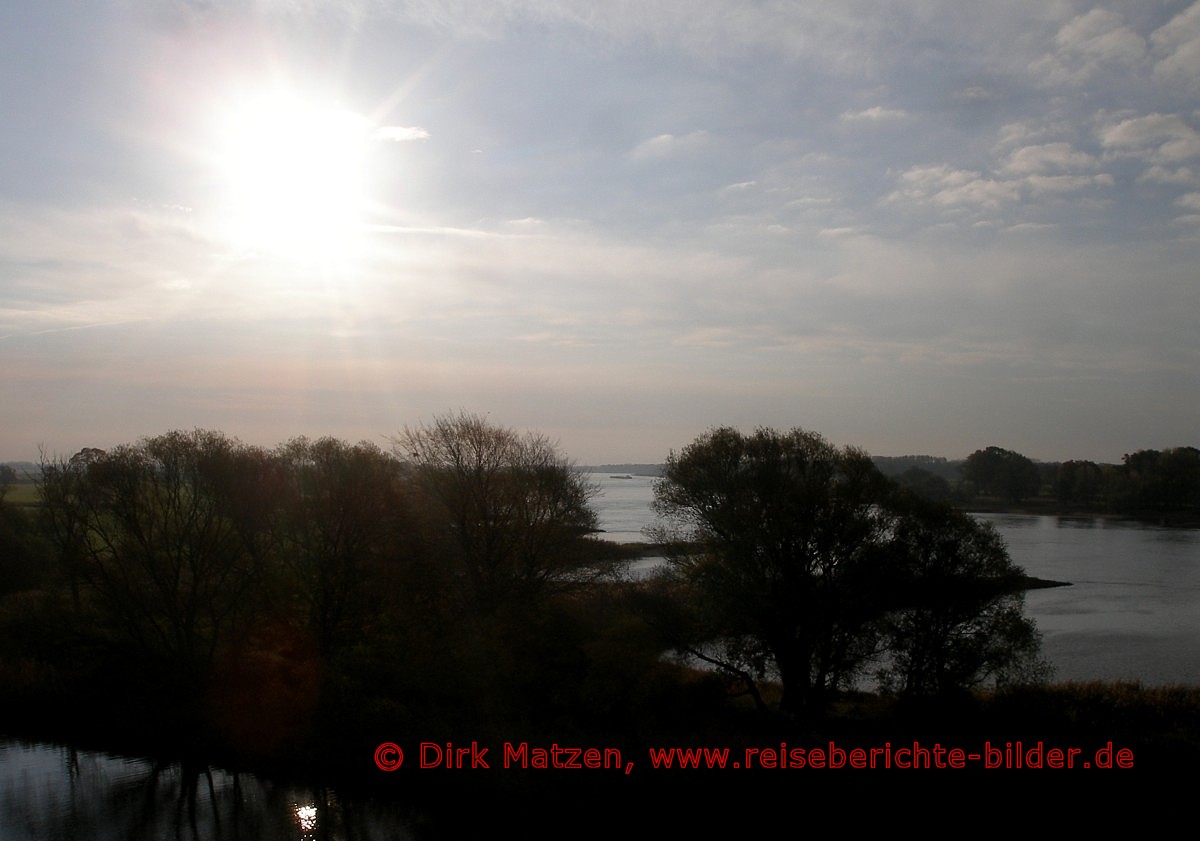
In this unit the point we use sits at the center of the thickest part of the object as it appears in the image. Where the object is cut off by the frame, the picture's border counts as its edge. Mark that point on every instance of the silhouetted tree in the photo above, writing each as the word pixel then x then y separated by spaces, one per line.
pixel 925 484
pixel 959 620
pixel 779 539
pixel 1078 483
pixel 1160 481
pixel 22 549
pixel 999 472
pixel 800 562
pixel 343 528
pixel 7 477
pixel 508 510
pixel 160 533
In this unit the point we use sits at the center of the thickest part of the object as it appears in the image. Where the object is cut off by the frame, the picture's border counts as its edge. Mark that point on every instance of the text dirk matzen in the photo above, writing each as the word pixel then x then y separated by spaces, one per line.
pixel 519 755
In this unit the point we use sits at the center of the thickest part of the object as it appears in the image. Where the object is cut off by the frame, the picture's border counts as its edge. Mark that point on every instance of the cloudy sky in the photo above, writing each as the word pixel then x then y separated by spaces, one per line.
pixel 920 227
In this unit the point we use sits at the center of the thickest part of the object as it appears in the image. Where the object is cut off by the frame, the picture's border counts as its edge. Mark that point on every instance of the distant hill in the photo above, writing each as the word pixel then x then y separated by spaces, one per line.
pixel 27 471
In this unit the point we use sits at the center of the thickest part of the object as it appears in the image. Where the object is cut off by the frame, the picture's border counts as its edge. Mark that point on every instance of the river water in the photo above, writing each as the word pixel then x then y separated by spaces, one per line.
pixel 1132 611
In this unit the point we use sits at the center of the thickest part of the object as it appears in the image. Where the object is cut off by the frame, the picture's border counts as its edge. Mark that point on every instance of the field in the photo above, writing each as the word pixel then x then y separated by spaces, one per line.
pixel 22 493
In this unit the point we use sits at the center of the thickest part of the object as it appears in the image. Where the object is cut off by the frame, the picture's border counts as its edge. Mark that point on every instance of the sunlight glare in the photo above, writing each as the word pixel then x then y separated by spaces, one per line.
pixel 293 177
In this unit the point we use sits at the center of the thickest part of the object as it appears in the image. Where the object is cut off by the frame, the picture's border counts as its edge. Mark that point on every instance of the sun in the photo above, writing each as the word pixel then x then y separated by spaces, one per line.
pixel 292 175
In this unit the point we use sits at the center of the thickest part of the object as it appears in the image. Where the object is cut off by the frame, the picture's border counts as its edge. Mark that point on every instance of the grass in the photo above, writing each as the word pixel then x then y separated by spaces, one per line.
pixel 23 493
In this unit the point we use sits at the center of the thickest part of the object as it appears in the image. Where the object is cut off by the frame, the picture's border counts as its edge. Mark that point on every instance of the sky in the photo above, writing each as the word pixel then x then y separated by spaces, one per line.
pixel 919 228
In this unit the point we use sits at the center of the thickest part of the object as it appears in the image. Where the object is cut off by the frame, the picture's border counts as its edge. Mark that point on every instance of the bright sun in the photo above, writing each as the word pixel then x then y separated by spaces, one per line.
pixel 292 176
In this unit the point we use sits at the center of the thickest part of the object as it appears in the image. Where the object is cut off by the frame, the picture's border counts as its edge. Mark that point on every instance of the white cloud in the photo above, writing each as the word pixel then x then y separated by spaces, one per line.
pixel 1159 138
pixel 1047 157
pixel 1024 227
pixel 874 114
pixel 1188 201
pixel 1088 43
pixel 1065 183
pixel 1184 176
pixel 1023 176
pixel 1178 44
pixel 668 146
pixel 1085 46
pixel 400 133
pixel 974 94
pixel 944 186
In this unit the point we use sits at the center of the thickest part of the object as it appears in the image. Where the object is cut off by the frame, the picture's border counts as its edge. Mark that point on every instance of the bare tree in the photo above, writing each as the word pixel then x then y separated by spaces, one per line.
pixel 162 535
pixel 509 509
pixel 344 521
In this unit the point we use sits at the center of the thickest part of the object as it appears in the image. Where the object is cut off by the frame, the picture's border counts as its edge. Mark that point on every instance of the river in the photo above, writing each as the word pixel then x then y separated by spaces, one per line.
pixel 1132 611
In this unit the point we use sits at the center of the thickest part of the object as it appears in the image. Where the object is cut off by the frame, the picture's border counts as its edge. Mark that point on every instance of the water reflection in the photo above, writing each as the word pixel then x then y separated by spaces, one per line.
pixel 56 793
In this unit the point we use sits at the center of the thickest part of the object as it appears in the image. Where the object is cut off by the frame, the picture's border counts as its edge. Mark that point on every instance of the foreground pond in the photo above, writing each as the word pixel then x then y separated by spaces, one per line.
pixel 56 793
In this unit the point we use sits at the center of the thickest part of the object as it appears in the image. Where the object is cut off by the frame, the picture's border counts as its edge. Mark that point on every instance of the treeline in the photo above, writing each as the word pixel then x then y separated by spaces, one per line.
pixel 307 602
pixel 314 597
pixel 270 601
pixel 1154 484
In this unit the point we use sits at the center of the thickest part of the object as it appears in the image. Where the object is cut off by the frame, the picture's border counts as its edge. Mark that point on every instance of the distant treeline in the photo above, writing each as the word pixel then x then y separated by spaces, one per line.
pixel 1155 484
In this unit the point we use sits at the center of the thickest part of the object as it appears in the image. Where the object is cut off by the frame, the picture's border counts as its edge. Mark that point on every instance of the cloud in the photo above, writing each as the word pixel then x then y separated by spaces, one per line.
pixel 1025 227
pixel 1047 157
pixel 1183 176
pixel 1188 201
pixel 1178 44
pixel 1093 41
pixel 669 146
pixel 874 114
pixel 1065 183
pixel 1157 138
pixel 974 94
pixel 400 133
pixel 1024 176
pixel 944 186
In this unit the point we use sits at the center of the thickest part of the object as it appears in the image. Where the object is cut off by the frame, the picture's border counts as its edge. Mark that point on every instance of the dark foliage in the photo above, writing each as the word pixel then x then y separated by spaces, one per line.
pixel 800 562
pixel 1003 473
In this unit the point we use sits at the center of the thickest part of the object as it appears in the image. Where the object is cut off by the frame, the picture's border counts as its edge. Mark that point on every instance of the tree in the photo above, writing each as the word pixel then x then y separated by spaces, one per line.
pixel 344 520
pixel 165 536
pixel 959 620
pixel 8 476
pixel 1078 482
pixel 22 555
pixel 999 472
pixel 1159 481
pixel 509 511
pixel 777 538
pixel 802 563
pixel 925 484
